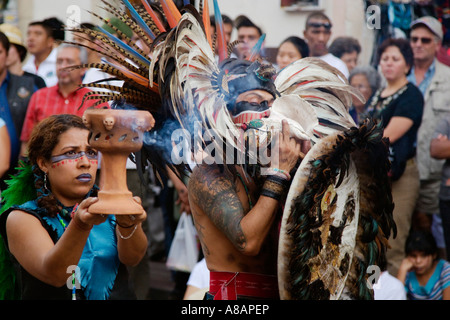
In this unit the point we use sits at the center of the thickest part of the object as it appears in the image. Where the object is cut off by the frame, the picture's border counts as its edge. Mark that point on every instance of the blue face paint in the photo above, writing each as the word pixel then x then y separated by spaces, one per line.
pixel 72 155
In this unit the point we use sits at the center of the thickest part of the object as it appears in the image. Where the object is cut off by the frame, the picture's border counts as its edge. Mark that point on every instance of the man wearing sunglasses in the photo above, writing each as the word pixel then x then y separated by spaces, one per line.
pixel 433 79
pixel 317 33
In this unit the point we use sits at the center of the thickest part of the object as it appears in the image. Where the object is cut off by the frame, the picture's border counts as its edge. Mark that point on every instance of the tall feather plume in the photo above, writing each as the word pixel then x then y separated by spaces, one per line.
pixel 139 19
pixel 257 48
pixel 171 12
pixel 128 21
pixel 221 44
pixel 119 32
pixel 154 17
pixel 125 61
pixel 206 20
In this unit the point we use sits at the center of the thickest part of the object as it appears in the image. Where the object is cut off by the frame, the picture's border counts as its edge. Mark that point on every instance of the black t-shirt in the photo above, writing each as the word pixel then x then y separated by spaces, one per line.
pixel 406 102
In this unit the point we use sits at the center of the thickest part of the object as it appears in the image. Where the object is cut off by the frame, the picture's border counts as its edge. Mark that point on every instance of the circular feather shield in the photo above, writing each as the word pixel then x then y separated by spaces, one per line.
pixel 319 225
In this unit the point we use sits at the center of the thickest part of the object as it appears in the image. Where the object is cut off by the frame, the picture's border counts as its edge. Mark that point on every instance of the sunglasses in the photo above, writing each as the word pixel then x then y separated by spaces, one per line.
pixel 326 25
pixel 423 40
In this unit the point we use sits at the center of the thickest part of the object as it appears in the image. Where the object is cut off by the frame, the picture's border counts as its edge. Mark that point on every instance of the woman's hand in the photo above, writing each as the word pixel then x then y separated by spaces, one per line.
pixel 129 220
pixel 83 218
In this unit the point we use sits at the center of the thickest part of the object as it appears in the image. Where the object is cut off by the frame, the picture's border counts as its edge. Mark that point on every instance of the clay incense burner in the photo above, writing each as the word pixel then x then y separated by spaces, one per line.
pixel 116 133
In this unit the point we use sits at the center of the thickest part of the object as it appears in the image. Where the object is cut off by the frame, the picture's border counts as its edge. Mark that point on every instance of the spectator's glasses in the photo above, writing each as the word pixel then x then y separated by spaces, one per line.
pixel 326 25
pixel 423 40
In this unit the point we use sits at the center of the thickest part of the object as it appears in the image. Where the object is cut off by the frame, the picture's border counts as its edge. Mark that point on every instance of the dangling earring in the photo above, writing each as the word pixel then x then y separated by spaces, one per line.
pixel 47 191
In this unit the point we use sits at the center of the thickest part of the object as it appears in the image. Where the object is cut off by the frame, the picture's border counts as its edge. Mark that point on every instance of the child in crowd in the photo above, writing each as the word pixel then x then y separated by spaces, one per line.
pixel 425 277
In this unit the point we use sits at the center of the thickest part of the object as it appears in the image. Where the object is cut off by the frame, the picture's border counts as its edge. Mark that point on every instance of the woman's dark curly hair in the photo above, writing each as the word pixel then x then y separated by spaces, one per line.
pixel 44 137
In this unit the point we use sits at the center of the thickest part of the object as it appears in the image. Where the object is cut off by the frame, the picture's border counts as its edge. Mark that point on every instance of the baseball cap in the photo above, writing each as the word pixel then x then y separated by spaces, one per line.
pixel 431 23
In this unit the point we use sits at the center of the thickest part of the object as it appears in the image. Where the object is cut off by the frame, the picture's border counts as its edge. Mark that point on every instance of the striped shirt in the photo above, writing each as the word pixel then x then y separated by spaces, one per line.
pixel 48 101
pixel 433 290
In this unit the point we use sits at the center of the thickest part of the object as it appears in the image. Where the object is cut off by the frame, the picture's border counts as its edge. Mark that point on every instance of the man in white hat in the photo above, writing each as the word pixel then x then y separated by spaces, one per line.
pixel 433 79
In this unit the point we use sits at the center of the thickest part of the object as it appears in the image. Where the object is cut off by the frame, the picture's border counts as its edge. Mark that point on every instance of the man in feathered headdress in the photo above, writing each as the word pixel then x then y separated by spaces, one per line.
pixel 237 215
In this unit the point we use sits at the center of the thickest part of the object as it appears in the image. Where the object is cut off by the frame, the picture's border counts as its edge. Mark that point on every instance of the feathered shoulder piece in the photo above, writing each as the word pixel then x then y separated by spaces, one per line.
pixel 337 218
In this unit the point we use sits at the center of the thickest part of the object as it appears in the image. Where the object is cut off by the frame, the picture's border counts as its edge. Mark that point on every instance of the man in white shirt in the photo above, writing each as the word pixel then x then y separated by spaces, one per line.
pixel 40 44
pixel 317 33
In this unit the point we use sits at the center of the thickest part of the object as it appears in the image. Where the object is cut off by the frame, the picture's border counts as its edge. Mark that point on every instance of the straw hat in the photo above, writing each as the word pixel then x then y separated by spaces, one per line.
pixel 13 34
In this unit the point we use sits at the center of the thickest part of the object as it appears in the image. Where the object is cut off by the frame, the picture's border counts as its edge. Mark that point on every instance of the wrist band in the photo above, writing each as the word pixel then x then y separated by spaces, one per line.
pixel 274 187
pixel 271 194
pixel 279 172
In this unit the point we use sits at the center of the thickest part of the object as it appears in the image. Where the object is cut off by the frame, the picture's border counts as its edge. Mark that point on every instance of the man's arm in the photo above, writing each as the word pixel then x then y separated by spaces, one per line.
pixel 440 147
pixel 215 194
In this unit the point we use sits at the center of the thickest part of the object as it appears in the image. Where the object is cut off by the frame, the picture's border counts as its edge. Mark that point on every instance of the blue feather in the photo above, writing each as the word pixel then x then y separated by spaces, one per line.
pixel 139 20
pixel 124 46
pixel 257 48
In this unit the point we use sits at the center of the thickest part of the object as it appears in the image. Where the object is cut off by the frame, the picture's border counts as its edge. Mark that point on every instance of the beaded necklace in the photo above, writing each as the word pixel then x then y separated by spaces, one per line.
pixel 375 107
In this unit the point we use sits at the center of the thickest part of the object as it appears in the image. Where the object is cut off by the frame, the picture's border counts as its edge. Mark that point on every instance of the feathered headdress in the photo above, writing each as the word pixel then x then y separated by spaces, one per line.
pixel 337 218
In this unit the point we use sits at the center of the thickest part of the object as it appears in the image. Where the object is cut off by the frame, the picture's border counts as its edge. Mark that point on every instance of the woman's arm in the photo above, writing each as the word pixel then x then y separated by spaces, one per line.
pixel 33 248
pixel 131 239
pixel 397 127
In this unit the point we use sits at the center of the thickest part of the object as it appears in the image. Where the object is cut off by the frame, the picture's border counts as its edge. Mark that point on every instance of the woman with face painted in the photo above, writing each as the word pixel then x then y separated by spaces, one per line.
pixel 65 252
